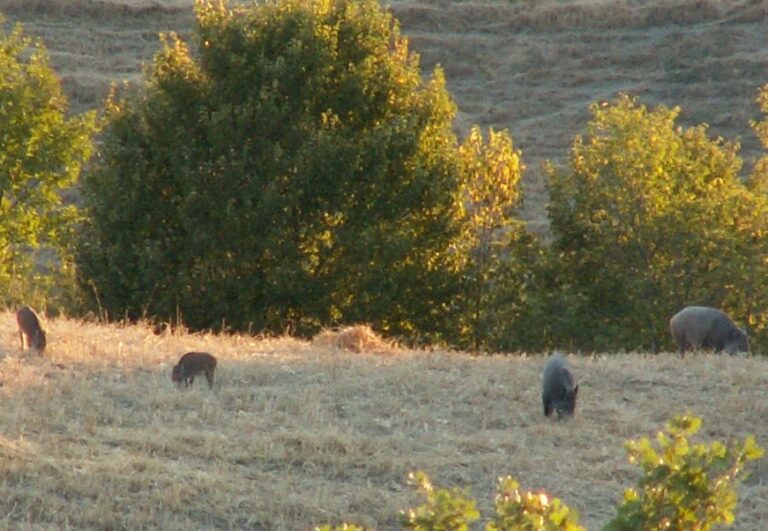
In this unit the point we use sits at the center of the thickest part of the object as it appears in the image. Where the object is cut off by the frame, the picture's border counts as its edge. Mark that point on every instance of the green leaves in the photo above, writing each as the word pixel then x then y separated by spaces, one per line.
pixel 516 510
pixel 648 218
pixel 41 154
pixel 298 173
pixel 491 170
pixel 443 510
pixel 529 511
pixel 684 485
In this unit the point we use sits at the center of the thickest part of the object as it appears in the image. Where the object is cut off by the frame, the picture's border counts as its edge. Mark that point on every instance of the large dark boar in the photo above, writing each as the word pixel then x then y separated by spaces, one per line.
pixel 191 364
pixel 29 328
pixel 700 327
pixel 558 389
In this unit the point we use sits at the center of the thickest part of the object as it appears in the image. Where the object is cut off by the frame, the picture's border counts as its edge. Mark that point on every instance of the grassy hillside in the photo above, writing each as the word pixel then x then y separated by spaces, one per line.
pixel 532 66
pixel 95 434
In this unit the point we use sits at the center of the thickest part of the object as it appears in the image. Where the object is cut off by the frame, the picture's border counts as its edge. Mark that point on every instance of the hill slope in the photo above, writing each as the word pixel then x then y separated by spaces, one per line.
pixel 532 66
pixel 95 435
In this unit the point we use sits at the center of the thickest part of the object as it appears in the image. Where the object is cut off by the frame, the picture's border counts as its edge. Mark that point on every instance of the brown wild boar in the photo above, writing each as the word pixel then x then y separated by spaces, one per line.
pixel 701 327
pixel 558 389
pixel 29 327
pixel 190 365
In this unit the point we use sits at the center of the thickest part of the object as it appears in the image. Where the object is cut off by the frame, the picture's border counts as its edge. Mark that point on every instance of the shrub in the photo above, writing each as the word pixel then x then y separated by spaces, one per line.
pixel 684 486
pixel 492 170
pixel 528 511
pixel 516 510
pixel 41 155
pixel 648 218
pixel 444 509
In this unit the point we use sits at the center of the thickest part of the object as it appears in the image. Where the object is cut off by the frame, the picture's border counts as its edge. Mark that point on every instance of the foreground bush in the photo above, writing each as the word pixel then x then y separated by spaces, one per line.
pixel 452 509
pixel 685 486
pixel 444 509
pixel 529 511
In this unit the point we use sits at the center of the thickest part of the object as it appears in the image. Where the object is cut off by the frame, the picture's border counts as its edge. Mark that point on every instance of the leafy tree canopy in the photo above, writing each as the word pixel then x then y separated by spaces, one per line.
pixel 295 171
pixel 648 217
pixel 42 152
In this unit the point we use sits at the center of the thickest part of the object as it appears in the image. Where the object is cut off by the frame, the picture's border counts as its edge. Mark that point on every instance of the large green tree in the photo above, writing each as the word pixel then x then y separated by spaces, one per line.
pixel 295 171
pixel 41 154
pixel 647 218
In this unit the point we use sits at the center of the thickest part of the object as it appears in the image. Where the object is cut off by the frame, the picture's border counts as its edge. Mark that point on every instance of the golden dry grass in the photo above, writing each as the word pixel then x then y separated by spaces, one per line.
pixel 95 435
pixel 531 66
pixel 357 338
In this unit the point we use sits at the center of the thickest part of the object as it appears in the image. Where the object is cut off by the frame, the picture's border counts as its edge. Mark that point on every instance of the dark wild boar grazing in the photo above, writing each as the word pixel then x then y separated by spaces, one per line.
pixel 700 327
pixel 558 388
pixel 191 364
pixel 29 328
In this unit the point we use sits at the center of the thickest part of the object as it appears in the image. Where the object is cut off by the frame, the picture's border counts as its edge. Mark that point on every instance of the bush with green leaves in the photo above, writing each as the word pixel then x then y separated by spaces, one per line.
pixel 294 171
pixel 684 486
pixel 454 510
pixel 42 152
pixel 492 169
pixel 754 298
pixel 443 510
pixel 649 217
pixel 529 511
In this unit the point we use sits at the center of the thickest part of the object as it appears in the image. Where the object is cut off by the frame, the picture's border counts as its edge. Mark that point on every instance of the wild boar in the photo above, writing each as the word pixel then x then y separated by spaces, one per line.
pixel 191 364
pixel 558 389
pixel 29 327
pixel 701 327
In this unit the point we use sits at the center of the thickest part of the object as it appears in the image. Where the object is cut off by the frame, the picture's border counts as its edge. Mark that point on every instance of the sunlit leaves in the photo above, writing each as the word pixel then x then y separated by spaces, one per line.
pixel 684 486
pixel 491 170
pixel 294 172
pixel 41 154
pixel 650 217
pixel 529 511
pixel 515 509
pixel 443 509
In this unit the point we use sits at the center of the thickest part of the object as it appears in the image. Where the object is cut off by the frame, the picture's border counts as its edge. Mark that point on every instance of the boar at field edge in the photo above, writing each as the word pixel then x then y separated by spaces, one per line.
pixel 701 327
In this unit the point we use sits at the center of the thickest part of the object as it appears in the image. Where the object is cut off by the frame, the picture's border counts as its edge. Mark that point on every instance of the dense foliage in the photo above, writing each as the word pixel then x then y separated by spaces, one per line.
pixel 41 154
pixel 648 218
pixel 685 486
pixel 492 170
pixel 292 170
pixel 515 509
pixel 296 172
pixel 443 509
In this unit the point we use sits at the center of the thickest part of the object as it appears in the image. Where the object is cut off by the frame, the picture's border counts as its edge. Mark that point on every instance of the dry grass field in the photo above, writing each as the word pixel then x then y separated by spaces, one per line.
pixel 531 66
pixel 95 435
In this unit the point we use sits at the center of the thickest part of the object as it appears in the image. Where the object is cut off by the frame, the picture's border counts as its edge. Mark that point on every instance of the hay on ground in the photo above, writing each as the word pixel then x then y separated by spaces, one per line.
pixel 357 338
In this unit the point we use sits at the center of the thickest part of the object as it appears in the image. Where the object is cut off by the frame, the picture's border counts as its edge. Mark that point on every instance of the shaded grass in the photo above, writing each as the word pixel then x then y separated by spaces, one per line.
pixel 96 435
